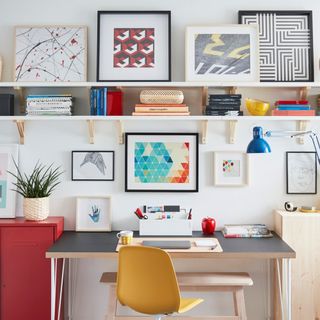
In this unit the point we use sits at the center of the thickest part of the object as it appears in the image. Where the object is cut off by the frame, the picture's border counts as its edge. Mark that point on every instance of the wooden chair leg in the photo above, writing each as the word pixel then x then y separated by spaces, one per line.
pixel 239 304
pixel 112 304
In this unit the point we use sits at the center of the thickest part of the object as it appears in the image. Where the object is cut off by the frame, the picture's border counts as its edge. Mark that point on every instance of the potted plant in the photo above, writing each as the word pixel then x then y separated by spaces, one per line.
pixel 36 189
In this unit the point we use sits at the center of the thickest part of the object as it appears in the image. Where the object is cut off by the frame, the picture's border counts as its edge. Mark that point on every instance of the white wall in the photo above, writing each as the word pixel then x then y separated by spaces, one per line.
pixel 54 141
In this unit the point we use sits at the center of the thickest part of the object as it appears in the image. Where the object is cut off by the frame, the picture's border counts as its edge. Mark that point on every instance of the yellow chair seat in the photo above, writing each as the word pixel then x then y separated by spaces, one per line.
pixel 187 304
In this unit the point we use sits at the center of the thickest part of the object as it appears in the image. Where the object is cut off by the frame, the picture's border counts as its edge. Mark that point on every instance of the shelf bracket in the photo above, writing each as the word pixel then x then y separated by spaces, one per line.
pixel 232 90
pixel 120 132
pixel 91 131
pixel 20 126
pixel 204 131
pixel 301 126
pixel 232 130
pixel 303 94
pixel 22 97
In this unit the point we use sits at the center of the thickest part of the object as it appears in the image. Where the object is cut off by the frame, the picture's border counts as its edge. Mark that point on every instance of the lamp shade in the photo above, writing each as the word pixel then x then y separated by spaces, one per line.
pixel 258 144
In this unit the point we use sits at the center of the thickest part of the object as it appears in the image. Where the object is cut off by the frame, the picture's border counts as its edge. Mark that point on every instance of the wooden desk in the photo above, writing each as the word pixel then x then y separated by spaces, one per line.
pixel 74 245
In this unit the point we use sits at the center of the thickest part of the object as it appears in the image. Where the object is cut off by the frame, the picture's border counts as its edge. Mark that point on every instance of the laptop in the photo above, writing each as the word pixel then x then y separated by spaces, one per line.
pixel 167 244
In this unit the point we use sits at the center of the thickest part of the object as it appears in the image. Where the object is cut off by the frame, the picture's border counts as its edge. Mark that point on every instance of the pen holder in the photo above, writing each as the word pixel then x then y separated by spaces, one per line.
pixel 168 227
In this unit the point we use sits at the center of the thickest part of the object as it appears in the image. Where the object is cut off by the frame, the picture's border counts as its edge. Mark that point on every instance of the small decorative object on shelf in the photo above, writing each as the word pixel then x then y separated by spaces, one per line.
pixel 224 105
pixel 222 53
pixel 39 58
pixel 257 107
pixel 293 108
pixel 161 97
pixel 36 189
pixel 208 226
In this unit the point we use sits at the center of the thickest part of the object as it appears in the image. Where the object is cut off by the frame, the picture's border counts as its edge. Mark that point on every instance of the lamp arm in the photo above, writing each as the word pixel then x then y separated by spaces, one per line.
pixel 316 144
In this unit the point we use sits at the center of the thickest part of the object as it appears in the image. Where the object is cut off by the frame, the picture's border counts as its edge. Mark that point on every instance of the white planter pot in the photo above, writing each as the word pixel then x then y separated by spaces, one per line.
pixel 36 209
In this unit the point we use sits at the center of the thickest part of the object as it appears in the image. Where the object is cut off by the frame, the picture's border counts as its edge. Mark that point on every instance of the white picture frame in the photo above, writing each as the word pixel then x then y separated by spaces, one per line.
pixel 50 53
pixel 222 53
pixel 8 155
pixel 93 213
pixel 301 172
pixel 92 165
pixel 231 169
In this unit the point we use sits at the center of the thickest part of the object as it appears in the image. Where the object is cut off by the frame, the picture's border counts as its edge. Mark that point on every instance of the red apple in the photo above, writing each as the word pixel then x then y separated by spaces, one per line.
pixel 208 225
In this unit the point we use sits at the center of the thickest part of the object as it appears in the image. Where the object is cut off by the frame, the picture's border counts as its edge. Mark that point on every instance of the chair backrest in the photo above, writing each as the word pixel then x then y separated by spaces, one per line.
pixel 146 280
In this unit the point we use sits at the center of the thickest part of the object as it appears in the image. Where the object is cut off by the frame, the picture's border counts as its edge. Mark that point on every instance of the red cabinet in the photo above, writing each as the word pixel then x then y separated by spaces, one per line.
pixel 24 269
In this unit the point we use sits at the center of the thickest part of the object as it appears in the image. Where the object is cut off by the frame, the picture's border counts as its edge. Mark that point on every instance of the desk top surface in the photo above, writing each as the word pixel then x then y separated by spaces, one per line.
pixel 103 245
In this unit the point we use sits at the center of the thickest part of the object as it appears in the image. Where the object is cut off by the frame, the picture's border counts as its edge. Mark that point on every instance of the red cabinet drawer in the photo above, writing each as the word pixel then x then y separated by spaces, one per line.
pixel 25 273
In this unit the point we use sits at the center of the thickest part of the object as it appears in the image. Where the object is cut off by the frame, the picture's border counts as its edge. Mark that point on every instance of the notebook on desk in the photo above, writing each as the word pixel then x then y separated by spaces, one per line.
pixel 167 244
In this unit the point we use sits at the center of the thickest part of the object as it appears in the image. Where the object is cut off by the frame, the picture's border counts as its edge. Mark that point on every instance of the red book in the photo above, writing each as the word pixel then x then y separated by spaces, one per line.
pixel 114 104
pixel 291 102
pixel 277 112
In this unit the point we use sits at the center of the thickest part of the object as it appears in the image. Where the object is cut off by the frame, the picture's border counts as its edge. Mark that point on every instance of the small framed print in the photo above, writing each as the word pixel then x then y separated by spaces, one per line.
pixel 50 53
pixel 161 162
pixel 231 168
pixel 222 53
pixel 93 214
pixel 8 155
pixel 92 165
pixel 134 46
pixel 301 172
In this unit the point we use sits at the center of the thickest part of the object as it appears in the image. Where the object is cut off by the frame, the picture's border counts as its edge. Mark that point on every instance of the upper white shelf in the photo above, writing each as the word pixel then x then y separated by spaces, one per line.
pixel 160 84
pixel 156 118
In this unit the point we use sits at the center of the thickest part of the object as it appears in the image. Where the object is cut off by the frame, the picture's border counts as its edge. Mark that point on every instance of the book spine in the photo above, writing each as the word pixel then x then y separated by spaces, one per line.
pixel 293 112
pixel 105 101
pixel 225 96
pixel 293 107
pixel 291 102
pixel 161 105
pixel 159 109
pixel 91 102
pixel 161 114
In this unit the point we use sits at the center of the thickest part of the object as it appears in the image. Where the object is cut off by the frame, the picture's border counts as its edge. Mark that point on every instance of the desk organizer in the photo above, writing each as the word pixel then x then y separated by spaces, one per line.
pixel 169 227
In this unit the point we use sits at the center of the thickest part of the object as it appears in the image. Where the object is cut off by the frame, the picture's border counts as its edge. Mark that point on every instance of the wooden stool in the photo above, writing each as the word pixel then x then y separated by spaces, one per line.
pixel 192 281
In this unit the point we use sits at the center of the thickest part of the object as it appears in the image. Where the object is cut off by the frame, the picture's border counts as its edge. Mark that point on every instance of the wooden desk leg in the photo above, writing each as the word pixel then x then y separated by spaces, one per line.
pixel 112 303
pixel 53 287
pixel 287 278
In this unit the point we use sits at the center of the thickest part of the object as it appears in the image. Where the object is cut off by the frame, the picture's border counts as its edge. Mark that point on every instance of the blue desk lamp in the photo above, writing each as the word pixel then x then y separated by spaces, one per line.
pixel 258 144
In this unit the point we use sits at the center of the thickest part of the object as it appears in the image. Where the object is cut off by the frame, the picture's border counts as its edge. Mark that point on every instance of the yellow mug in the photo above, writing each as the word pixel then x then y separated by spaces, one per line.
pixel 125 237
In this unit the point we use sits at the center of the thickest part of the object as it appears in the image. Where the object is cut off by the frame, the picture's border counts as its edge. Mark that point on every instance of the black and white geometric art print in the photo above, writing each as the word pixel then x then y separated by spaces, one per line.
pixel 286 46
pixel 222 53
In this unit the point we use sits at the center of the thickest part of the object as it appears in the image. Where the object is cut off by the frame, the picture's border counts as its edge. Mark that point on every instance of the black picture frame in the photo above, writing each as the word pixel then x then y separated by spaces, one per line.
pixel 161 12
pixel 303 173
pixel 148 134
pixel 308 14
pixel 73 178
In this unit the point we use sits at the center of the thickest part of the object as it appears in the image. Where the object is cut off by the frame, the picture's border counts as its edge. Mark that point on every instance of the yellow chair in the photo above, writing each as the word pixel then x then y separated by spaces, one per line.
pixel 147 283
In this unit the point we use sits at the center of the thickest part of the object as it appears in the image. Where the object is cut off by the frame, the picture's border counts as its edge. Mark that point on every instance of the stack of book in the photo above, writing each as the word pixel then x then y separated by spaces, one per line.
pixel 224 105
pixel 142 109
pixel 104 102
pixel 49 105
pixel 293 108
pixel 246 231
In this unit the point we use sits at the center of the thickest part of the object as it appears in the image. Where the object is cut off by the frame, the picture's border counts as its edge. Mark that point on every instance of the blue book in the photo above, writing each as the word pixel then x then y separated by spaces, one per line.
pixel 92 102
pixel 98 101
pixel 293 107
pixel 105 101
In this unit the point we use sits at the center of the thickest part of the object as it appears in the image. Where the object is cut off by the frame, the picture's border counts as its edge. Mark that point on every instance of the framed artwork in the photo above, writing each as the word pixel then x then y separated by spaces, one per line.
pixel 134 46
pixel 161 162
pixel 301 172
pixel 222 53
pixel 92 166
pixel 50 53
pixel 286 44
pixel 231 168
pixel 8 154
pixel 93 214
